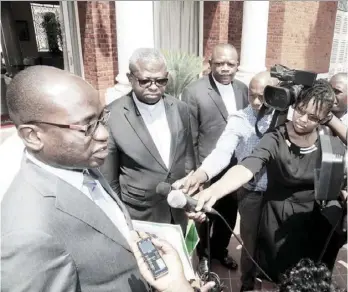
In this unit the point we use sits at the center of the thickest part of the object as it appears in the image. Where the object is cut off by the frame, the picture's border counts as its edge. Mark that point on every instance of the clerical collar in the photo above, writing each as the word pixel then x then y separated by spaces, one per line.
pixel 146 106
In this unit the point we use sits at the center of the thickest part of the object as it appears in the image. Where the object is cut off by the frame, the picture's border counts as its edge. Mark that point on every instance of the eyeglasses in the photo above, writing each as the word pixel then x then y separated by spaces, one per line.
pixel 160 82
pixel 88 129
pixel 312 118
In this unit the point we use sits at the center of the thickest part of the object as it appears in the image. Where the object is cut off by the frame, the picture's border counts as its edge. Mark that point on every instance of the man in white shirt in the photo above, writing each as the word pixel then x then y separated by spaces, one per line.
pixel 150 141
pixel 62 226
pixel 240 138
pixel 211 100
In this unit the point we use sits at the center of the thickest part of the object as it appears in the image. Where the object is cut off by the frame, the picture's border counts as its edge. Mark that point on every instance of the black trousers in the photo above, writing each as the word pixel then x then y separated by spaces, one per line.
pixel 228 208
pixel 250 208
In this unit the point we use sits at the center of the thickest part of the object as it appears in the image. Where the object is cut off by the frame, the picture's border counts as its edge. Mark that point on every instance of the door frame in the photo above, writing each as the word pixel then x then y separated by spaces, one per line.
pixel 72 49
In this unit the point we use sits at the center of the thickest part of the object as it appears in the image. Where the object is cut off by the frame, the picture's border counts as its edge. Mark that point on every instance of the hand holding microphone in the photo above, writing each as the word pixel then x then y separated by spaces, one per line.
pixel 192 182
pixel 177 199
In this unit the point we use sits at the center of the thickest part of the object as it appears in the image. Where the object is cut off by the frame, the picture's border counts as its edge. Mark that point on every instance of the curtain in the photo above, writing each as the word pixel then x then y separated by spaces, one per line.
pixel 177 25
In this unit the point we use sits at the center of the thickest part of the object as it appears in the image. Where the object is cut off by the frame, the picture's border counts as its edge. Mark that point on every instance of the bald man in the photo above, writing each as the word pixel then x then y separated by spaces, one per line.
pixel 211 100
pixel 339 83
pixel 62 226
pixel 239 138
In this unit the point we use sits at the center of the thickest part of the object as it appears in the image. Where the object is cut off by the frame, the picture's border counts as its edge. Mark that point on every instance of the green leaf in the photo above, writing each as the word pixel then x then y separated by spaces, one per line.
pixel 183 69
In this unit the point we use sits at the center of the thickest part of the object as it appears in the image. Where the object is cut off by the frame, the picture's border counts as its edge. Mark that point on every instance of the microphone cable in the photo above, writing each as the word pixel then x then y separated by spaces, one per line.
pixel 246 250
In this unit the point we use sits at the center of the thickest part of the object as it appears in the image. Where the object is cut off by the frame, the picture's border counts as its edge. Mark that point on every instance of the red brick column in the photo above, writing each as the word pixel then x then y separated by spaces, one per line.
pixel 300 34
pixel 235 24
pixel 98 41
pixel 216 20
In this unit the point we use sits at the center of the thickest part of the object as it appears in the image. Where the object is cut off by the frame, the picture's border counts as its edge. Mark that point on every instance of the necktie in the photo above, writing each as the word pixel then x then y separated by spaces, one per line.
pixel 92 187
pixel 106 203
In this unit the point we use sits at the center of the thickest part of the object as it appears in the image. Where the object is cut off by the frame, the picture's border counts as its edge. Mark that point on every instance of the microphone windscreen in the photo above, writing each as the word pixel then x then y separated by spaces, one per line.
pixel 176 199
pixel 163 189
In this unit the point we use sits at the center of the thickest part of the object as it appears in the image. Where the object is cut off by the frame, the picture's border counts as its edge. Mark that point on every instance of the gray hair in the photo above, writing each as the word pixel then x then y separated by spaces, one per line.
pixel 145 55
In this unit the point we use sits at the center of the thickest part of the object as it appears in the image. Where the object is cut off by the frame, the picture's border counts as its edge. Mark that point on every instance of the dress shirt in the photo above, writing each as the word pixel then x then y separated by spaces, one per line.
pixel 75 178
pixel 155 119
pixel 240 137
pixel 344 119
pixel 227 95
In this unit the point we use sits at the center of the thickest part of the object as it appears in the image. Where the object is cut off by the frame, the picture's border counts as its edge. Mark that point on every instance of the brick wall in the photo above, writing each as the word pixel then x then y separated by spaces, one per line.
pixel 98 41
pixel 235 24
pixel 222 24
pixel 216 18
pixel 300 34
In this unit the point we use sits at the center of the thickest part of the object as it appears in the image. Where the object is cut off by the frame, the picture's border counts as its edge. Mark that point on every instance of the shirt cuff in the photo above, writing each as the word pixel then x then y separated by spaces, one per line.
pixel 209 169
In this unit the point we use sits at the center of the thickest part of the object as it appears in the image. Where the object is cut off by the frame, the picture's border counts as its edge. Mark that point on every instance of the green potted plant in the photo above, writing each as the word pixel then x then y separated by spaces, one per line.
pixel 53 31
pixel 183 69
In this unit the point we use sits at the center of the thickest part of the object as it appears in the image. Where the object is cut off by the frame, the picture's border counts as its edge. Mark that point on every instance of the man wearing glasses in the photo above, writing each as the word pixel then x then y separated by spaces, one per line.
pixel 150 141
pixel 211 100
pixel 62 226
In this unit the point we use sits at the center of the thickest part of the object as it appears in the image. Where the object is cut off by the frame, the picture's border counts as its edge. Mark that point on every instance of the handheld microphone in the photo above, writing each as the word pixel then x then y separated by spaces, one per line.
pixel 177 199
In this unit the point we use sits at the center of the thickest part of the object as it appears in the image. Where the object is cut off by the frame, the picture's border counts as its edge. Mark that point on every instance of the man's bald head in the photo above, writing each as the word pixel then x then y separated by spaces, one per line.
pixel 59 117
pixel 224 63
pixel 221 48
pixel 38 90
pixel 339 83
pixel 257 86
pixel 264 78
pixel 339 76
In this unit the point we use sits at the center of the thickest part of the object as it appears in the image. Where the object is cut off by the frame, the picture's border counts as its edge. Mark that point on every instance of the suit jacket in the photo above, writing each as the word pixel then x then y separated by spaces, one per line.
pixel 208 112
pixel 54 238
pixel 134 165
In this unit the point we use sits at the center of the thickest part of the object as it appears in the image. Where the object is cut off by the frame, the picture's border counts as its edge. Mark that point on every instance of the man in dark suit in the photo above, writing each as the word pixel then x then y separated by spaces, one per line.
pixel 211 100
pixel 62 226
pixel 150 141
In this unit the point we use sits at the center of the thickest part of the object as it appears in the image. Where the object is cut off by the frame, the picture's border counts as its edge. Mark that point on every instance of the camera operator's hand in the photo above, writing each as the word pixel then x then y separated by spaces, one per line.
pixel 327 119
pixel 194 181
pixel 175 280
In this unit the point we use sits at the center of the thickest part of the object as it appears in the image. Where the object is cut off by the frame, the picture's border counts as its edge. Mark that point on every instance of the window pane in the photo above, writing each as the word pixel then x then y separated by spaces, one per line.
pixel 38 12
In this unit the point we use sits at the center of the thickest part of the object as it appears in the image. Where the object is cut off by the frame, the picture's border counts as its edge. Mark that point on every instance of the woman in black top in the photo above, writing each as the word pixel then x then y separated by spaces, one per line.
pixel 288 229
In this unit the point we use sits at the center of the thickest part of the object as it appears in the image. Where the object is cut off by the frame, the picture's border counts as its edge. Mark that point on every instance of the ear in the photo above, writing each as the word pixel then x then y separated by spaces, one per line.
pixel 31 136
pixel 130 77
pixel 209 62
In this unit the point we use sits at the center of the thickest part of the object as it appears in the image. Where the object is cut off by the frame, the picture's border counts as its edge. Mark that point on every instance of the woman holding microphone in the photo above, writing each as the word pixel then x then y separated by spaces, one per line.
pixel 288 231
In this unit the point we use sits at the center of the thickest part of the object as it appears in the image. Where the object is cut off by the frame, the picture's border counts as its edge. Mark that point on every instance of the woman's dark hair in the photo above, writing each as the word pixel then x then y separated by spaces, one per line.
pixel 321 92
pixel 307 276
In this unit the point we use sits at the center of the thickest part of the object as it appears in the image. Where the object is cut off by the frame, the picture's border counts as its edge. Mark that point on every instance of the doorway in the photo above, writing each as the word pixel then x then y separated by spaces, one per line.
pixel 38 33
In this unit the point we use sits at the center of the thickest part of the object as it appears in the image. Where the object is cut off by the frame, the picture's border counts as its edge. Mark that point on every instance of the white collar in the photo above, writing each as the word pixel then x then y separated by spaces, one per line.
pixel 147 107
pixel 74 178
pixel 218 83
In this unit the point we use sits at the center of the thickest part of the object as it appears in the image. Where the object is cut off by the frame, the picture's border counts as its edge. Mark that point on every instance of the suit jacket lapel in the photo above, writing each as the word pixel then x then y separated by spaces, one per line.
pixel 238 95
pixel 134 118
pixel 72 201
pixel 76 204
pixel 172 118
pixel 216 97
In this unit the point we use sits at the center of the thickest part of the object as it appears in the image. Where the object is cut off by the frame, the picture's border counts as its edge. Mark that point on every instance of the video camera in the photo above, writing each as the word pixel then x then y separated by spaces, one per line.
pixel 291 83
pixel 279 98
